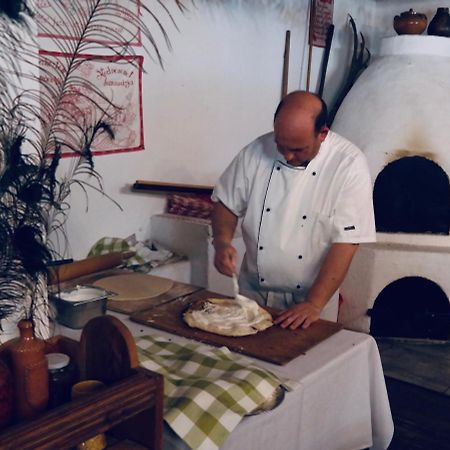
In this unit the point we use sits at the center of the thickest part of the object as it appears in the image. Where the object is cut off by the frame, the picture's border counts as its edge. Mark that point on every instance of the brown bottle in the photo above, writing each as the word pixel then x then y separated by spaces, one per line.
pixel 440 24
pixel 30 370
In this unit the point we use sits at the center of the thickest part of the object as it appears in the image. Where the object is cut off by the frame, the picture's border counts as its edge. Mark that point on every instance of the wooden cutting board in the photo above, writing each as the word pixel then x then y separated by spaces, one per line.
pixel 132 306
pixel 276 345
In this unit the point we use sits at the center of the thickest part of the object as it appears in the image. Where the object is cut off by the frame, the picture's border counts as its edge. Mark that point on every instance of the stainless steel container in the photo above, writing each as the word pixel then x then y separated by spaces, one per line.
pixel 76 306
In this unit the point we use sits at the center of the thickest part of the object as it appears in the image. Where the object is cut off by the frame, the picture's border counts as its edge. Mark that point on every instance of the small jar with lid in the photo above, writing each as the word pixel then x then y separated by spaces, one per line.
pixel 410 22
pixel 61 377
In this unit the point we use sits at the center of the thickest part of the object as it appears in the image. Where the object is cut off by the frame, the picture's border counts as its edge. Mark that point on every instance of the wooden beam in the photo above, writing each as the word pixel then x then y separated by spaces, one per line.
pixel 285 81
pixel 162 187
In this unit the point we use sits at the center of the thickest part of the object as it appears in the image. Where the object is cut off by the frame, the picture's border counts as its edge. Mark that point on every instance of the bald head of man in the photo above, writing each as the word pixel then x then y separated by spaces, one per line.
pixel 300 127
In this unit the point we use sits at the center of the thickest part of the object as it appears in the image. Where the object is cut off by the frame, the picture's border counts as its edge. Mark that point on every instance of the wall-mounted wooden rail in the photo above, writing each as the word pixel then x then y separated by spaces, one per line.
pixel 159 186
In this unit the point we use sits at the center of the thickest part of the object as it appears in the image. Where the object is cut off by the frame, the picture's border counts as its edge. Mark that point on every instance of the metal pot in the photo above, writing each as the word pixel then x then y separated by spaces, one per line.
pixel 76 306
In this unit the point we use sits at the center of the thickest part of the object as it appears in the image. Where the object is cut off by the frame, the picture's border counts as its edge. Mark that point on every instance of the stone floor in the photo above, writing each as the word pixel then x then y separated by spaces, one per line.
pixel 418 384
pixel 422 364
pixel 421 417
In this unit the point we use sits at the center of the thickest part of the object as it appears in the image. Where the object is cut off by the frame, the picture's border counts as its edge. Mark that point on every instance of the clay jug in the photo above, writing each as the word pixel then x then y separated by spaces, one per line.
pixel 410 22
pixel 440 24
pixel 30 371
pixel 6 395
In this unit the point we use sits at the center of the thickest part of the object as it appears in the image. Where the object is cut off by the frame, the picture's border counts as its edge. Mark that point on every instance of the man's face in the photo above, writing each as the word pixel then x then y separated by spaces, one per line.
pixel 298 145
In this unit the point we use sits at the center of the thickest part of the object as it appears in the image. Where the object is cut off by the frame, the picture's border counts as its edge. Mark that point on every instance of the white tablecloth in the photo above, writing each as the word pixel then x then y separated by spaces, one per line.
pixel 341 404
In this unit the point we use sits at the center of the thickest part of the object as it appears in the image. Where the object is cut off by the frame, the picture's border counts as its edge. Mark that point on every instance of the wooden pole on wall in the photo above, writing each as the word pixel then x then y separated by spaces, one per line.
pixel 326 56
pixel 310 43
pixel 308 73
pixel 287 45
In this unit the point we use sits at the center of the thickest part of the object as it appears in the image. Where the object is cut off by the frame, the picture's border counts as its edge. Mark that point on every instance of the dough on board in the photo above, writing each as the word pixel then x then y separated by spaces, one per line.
pixel 228 317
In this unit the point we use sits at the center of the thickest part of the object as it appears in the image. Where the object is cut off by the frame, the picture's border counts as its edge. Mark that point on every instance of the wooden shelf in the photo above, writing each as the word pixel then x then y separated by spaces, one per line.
pixel 162 187
pixel 130 406
pixel 123 405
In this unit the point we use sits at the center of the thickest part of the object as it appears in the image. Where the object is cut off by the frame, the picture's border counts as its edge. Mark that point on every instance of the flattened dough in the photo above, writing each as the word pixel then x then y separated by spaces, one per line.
pixel 228 317
pixel 134 286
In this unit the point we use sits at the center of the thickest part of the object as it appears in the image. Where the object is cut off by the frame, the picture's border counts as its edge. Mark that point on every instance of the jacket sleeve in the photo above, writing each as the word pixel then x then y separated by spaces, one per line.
pixel 353 220
pixel 232 188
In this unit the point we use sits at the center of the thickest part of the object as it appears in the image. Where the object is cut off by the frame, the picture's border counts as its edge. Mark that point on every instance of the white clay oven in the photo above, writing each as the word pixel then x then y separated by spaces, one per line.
pixel 398 113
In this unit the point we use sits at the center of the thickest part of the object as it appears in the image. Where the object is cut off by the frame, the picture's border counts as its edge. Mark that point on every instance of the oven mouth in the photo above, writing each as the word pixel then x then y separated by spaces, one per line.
pixel 412 195
pixel 412 308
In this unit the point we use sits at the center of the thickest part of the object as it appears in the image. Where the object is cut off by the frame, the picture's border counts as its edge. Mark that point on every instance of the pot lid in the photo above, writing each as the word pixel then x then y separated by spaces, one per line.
pixel 57 360
pixel 412 13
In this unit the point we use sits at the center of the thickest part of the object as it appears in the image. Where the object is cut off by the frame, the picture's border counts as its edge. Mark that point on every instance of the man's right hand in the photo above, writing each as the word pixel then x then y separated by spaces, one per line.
pixel 225 258
pixel 224 224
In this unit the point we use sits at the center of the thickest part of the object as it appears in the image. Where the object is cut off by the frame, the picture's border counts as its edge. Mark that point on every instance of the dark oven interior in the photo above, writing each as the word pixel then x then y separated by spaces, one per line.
pixel 412 195
pixel 411 307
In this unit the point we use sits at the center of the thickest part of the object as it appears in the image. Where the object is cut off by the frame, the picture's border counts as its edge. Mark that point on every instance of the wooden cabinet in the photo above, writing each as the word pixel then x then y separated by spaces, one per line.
pixel 129 407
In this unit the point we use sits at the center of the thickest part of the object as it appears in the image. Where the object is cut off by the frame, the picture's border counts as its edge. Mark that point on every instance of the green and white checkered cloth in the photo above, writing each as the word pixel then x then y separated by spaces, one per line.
pixel 146 257
pixel 207 391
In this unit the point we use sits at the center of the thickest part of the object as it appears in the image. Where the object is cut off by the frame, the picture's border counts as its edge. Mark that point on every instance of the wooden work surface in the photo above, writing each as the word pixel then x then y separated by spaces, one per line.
pixel 132 306
pixel 276 345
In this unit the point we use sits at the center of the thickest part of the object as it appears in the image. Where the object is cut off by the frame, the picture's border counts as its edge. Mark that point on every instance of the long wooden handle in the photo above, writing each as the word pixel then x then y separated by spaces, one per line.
pixel 87 266
pixel 287 46
pixel 326 56
pixel 308 71
pixel 310 42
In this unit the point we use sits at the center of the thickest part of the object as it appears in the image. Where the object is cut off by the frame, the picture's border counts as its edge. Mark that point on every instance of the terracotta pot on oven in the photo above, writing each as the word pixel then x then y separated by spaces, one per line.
pixel 410 22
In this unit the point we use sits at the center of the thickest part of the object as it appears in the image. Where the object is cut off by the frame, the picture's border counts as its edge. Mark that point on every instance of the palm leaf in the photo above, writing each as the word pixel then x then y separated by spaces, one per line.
pixel 47 122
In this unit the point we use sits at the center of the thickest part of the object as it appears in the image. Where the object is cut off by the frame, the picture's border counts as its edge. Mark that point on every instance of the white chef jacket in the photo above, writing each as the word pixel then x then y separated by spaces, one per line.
pixel 292 215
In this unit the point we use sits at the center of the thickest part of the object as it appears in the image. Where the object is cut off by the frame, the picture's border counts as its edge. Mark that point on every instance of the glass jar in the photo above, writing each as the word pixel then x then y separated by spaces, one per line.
pixel 61 377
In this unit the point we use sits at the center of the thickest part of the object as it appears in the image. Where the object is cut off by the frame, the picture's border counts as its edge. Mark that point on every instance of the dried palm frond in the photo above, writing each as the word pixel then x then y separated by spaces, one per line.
pixel 360 61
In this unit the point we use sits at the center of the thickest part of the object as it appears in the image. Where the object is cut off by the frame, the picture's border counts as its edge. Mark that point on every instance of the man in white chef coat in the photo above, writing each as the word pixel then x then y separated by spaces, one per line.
pixel 304 194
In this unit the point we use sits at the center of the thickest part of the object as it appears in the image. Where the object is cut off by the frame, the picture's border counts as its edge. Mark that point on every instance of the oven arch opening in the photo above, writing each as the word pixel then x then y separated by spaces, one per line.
pixel 412 195
pixel 411 307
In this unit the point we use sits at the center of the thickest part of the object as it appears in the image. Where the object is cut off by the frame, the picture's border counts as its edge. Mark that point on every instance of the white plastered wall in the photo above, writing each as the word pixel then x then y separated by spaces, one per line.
pixel 219 89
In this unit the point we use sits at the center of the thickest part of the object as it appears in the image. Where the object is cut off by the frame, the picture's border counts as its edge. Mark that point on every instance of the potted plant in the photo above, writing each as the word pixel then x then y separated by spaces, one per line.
pixel 40 123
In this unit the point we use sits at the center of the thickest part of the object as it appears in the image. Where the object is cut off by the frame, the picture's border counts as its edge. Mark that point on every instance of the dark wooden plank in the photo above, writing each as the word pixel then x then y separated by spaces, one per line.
pixel 421 417
pixel 159 186
pixel 421 364
pixel 276 345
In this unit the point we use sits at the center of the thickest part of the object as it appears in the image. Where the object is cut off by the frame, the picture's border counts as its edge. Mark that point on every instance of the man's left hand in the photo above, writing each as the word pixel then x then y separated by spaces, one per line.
pixel 303 314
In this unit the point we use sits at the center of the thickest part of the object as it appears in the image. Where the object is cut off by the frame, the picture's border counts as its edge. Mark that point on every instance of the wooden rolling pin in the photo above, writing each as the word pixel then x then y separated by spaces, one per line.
pixel 76 269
